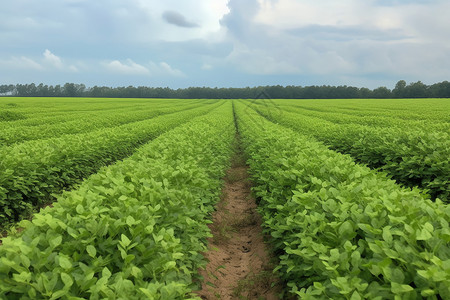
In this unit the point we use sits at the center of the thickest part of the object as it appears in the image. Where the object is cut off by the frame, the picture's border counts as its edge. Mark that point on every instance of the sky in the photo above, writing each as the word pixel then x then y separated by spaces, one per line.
pixel 224 43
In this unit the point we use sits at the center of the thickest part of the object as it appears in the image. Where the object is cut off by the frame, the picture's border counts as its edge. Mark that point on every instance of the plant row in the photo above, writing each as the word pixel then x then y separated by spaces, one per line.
pixel 49 111
pixel 340 229
pixel 134 230
pixel 31 172
pixel 45 106
pixel 428 110
pixel 83 124
pixel 369 119
pixel 413 158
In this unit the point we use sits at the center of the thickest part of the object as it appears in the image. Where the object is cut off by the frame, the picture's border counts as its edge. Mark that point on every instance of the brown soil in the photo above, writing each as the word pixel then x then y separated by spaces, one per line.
pixel 240 266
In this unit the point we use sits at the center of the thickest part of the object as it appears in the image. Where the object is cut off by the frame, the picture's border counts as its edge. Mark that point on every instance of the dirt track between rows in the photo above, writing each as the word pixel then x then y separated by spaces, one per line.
pixel 240 266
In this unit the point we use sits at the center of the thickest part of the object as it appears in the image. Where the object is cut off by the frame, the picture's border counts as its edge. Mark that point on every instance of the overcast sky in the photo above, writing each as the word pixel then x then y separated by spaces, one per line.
pixel 238 43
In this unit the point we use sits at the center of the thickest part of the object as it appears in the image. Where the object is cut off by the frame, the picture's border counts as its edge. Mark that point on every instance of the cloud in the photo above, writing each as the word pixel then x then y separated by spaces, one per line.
pixel 177 19
pixel 231 42
pixel 129 67
pixel 72 68
pixel 47 62
pixel 22 62
pixel 164 69
pixel 52 60
pixel 347 33
pixel 328 38
pixel 206 66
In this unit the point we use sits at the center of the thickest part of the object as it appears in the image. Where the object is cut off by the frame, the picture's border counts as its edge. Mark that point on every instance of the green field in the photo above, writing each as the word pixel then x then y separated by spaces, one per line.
pixel 353 194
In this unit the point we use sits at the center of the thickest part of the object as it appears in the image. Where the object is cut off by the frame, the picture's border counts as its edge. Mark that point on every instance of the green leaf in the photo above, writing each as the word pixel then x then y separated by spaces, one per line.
pixel 170 265
pixel 106 273
pixel 91 250
pixel 64 263
pixel 423 235
pixel 147 293
pixel 387 236
pixel 427 293
pixel 397 288
pixel 55 242
pixel 58 294
pixel 80 209
pixel 346 229
pixel 125 240
pixel 67 280
pixel 22 277
pixel 355 296
pixel 136 272
pixel 130 221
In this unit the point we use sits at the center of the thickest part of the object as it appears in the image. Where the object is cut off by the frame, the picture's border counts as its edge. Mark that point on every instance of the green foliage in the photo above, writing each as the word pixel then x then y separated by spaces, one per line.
pixel 418 157
pixel 343 231
pixel 134 230
pixel 412 90
pixel 59 123
pixel 7 115
pixel 31 172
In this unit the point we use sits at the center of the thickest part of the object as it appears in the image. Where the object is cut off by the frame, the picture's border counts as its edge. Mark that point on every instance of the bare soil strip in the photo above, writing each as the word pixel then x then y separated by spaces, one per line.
pixel 240 266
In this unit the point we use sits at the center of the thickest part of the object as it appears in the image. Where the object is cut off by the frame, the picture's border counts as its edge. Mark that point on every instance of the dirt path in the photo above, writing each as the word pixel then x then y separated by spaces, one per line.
pixel 240 266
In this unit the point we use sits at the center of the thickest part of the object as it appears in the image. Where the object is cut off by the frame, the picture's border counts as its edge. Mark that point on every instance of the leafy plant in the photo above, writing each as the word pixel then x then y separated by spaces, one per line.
pixel 31 172
pixel 414 158
pixel 343 231
pixel 134 230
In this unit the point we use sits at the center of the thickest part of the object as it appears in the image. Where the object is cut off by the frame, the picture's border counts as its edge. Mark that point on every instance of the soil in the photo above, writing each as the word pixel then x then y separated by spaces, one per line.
pixel 240 266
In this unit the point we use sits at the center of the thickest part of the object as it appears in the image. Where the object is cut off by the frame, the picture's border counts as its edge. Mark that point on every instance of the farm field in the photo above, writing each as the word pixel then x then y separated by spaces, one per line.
pixel 112 198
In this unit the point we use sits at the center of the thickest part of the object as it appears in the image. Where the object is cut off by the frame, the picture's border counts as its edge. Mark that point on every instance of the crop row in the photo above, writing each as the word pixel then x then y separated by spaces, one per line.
pixel 37 112
pixel 42 107
pixel 83 124
pixel 134 230
pixel 342 230
pixel 413 158
pixel 379 120
pixel 31 172
pixel 403 109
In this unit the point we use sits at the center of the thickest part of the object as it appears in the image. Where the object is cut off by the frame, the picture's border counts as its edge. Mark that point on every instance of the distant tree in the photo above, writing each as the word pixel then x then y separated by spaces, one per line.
pixel 364 93
pixel 439 90
pixel 7 89
pixel 70 90
pixel 381 92
pixel 416 90
pixel 399 89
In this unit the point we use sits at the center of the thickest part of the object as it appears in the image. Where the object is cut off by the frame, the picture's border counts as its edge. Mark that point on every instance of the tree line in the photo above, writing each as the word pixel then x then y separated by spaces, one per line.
pixel 401 90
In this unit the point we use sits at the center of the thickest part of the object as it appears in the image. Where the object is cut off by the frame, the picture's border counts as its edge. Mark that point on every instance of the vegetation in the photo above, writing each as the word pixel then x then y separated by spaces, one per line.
pixel 412 156
pixel 134 230
pixel 132 188
pixel 401 90
pixel 31 172
pixel 343 231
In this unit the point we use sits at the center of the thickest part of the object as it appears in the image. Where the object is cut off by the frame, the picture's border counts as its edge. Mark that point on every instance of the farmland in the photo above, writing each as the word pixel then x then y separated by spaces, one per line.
pixel 112 198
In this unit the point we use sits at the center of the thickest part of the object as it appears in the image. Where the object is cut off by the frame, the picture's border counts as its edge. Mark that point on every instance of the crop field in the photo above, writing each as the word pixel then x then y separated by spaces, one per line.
pixel 113 198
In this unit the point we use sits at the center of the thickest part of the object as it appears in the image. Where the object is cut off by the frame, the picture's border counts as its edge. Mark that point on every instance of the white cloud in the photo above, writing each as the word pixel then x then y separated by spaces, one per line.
pixel 52 60
pixel 129 67
pixel 21 63
pixel 207 66
pixel 72 68
pixel 259 61
pixel 348 38
pixel 281 40
pixel 164 69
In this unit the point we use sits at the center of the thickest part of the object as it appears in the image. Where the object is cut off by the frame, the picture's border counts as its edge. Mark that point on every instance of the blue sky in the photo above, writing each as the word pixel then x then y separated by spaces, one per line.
pixel 223 43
